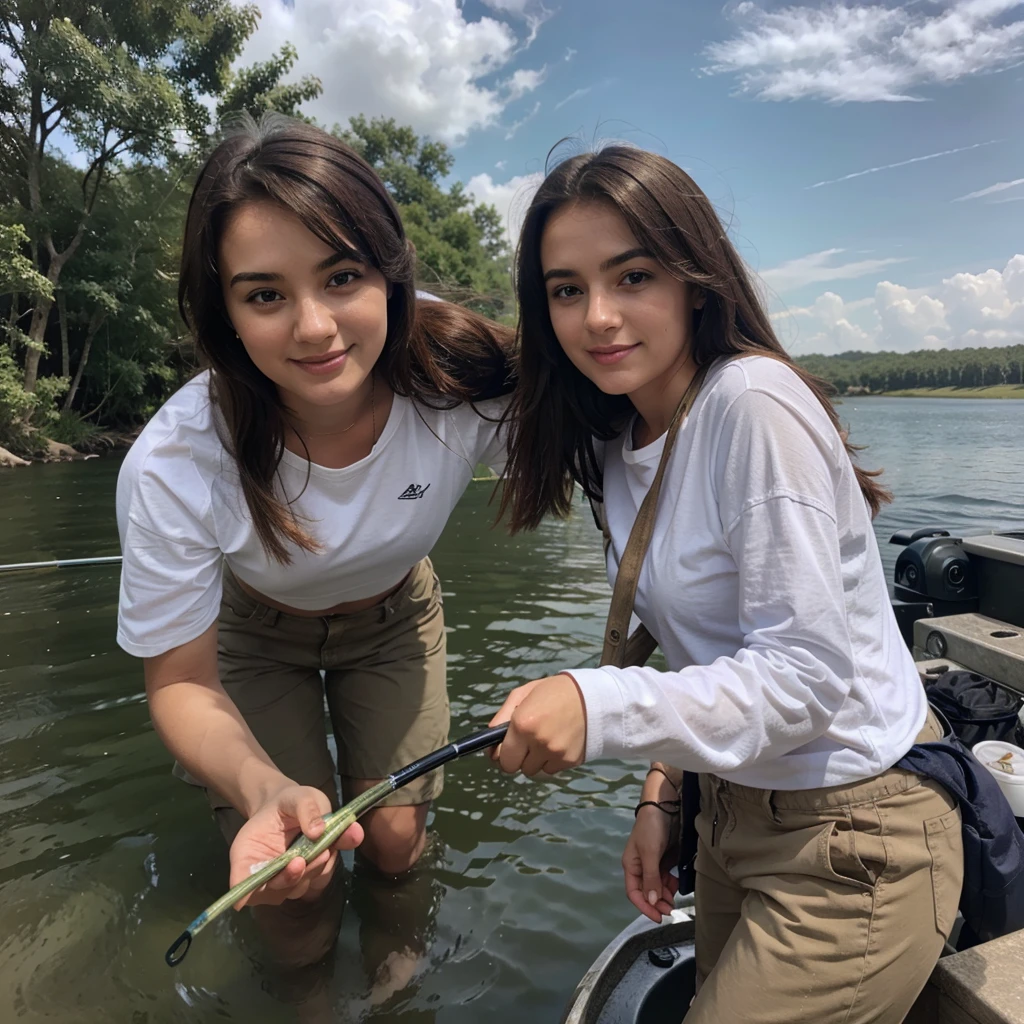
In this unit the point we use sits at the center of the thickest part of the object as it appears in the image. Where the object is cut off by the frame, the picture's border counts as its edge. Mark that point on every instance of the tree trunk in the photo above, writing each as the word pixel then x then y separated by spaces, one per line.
pixel 94 326
pixel 36 331
pixel 62 318
pixel 41 313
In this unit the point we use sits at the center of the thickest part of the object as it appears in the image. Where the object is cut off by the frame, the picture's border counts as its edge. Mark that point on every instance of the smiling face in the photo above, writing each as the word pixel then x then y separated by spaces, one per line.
pixel 620 317
pixel 313 319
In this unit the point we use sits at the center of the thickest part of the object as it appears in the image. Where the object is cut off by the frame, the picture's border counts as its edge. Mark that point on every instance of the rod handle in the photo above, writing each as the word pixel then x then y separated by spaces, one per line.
pixel 481 740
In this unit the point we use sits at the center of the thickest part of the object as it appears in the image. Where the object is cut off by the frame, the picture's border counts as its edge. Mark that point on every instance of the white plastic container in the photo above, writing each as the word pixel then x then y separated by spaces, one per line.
pixel 1006 762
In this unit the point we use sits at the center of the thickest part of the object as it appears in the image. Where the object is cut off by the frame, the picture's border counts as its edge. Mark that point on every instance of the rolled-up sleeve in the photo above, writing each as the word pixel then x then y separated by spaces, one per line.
pixel 171 569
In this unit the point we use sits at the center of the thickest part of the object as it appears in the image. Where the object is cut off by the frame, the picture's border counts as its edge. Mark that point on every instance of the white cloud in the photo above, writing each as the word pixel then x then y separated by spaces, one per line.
pixel 829 327
pixel 963 311
pixel 511 197
pixel 999 186
pixel 419 61
pixel 819 266
pixel 516 125
pixel 531 11
pixel 574 95
pixel 903 163
pixel 500 165
pixel 866 53
pixel 570 53
pixel 523 81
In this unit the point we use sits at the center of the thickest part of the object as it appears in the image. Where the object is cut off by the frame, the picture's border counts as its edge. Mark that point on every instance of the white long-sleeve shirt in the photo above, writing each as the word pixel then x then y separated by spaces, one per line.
pixel 764 589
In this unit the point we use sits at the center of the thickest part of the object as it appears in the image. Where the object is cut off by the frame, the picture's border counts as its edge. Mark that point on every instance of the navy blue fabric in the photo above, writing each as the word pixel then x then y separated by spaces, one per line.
pixel 992 899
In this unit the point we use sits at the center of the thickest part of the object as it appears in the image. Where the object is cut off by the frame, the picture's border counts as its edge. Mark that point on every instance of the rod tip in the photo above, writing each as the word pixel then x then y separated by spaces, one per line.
pixel 177 952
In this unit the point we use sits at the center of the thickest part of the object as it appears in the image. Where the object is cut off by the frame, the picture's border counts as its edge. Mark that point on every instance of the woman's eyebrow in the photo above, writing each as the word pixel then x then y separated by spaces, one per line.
pixel 614 261
pixel 624 257
pixel 254 275
pixel 336 257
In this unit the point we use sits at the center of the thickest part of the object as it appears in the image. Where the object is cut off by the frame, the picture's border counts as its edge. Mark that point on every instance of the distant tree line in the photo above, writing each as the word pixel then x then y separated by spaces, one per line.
pixel 928 368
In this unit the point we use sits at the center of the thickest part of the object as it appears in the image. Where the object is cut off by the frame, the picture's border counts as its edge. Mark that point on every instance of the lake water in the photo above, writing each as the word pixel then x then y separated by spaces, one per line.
pixel 105 857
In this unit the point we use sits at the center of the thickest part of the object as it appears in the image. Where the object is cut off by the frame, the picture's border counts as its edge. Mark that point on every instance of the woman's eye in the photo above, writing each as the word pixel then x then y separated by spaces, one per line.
pixel 566 291
pixel 264 297
pixel 343 277
pixel 636 277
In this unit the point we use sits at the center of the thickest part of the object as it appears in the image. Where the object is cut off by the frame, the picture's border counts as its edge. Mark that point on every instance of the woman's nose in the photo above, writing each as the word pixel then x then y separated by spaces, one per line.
pixel 314 324
pixel 602 312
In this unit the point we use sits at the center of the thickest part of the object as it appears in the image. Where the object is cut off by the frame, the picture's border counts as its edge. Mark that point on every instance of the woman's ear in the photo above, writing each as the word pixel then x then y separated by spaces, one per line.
pixel 699 297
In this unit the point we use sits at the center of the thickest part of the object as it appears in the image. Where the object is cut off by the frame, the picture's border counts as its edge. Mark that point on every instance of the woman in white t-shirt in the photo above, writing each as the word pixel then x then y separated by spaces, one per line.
pixel 276 514
pixel 827 879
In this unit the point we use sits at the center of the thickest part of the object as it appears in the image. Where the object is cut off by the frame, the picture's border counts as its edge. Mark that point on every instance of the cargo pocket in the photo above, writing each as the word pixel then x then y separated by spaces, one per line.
pixel 844 860
pixel 945 847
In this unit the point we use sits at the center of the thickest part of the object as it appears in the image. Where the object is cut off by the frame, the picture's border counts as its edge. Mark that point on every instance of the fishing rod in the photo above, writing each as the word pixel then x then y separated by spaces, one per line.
pixel 62 563
pixel 334 825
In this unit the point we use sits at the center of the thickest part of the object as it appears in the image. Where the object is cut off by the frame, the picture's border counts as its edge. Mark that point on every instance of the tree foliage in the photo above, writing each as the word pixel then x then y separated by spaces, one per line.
pixel 940 368
pixel 106 111
pixel 462 253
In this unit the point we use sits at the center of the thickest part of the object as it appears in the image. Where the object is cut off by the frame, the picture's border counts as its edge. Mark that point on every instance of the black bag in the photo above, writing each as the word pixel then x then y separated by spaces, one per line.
pixel 977 708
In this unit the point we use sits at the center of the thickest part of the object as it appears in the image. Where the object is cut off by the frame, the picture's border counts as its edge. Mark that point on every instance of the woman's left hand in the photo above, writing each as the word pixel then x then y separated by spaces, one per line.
pixel 547 727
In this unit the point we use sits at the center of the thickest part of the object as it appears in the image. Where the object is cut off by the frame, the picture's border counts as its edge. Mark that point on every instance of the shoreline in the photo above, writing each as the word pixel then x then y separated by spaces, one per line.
pixel 56 451
pixel 992 391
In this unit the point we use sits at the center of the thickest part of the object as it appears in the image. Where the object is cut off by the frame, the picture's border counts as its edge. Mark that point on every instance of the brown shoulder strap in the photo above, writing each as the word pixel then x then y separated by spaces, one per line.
pixel 616 639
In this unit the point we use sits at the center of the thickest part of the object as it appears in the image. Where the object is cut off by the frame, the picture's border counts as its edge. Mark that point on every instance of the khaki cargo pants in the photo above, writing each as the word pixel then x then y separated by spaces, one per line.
pixel 828 905
pixel 384 681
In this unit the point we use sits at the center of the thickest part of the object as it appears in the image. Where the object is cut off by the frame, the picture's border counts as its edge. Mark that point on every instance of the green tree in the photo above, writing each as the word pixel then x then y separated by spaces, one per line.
pixel 462 252
pixel 258 89
pixel 122 82
pixel 18 278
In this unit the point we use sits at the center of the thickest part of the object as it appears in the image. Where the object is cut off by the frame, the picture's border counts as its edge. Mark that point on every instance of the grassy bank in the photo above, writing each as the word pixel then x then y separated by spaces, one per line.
pixel 993 391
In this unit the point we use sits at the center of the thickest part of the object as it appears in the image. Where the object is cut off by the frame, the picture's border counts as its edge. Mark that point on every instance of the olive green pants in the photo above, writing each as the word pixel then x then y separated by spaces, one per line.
pixel 381 670
pixel 825 905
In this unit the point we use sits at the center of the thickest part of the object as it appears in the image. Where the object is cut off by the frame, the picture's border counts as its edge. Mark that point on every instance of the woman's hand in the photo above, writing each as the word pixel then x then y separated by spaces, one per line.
pixel 547 727
pixel 651 851
pixel 272 829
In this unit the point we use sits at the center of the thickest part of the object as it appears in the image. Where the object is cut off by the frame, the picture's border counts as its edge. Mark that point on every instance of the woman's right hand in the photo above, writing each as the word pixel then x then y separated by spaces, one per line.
pixel 272 828
pixel 651 850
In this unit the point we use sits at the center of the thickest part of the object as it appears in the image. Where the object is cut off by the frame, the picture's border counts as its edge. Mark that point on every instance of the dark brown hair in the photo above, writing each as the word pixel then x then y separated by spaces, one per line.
pixel 435 353
pixel 556 411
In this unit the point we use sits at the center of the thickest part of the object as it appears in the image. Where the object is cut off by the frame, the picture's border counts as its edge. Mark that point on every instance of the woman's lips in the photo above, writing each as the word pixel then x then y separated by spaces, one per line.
pixel 323 364
pixel 612 354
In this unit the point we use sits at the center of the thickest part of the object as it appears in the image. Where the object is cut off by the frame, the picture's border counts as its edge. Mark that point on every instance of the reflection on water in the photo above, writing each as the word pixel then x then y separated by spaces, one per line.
pixel 105 857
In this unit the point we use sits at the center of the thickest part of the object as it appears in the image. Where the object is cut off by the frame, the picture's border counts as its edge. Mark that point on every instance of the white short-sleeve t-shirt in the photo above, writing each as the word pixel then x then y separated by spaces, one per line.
pixel 181 514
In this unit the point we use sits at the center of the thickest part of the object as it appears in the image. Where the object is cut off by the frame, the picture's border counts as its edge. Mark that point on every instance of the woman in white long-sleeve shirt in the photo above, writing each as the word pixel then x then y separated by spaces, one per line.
pixel 827 879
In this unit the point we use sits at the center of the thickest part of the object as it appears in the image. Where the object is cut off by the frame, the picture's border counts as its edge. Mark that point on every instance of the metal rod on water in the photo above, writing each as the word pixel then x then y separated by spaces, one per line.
pixel 63 563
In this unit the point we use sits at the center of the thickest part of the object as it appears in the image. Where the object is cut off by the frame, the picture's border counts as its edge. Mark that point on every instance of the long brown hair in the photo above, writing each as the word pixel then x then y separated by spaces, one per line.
pixel 557 412
pixel 435 353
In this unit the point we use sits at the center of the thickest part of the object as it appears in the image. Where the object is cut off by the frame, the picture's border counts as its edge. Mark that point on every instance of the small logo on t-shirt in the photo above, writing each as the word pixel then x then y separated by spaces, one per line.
pixel 412 491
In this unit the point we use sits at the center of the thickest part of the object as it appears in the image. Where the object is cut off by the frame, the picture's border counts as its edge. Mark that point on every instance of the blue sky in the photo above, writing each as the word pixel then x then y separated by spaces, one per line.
pixel 761 102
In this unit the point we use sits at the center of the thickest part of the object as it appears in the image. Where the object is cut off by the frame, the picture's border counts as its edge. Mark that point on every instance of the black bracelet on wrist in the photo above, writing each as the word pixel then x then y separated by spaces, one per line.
pixel 666 774
pixel 665 806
